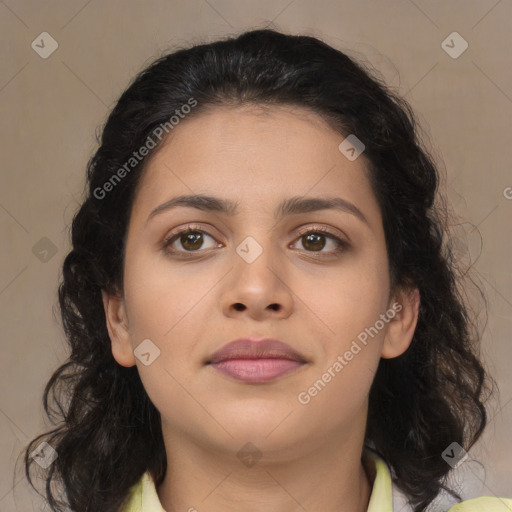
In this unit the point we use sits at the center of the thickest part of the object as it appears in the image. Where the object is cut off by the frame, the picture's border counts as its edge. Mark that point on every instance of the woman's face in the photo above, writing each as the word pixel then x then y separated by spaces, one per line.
pixel 254 272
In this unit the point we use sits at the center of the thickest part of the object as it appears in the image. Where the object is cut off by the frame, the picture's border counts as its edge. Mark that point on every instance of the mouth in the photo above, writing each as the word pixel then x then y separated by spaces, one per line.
pixel 256 361
pixel 256 371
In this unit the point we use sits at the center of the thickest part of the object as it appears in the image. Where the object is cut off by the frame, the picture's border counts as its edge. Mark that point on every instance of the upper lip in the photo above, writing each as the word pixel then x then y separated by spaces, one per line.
pixel 253 348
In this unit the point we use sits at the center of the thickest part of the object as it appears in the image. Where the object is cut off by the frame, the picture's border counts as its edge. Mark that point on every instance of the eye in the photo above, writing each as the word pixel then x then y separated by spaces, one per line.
pixel 191 239
pixel 313 240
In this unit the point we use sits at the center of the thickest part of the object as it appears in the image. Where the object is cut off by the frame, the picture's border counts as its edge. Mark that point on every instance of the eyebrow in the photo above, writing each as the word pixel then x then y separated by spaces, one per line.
pixel 291 206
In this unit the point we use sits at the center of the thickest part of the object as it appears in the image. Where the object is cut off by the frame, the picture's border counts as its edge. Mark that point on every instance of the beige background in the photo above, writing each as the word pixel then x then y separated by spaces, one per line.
pixel 52 107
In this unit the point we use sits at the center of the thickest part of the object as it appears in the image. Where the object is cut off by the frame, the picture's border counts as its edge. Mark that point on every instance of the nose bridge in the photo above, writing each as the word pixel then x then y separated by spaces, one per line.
pixel 256 237
pixel 257 256
pixel 257 281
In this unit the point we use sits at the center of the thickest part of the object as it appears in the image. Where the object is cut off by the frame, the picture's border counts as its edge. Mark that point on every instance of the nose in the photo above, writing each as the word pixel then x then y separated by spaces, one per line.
pixel 259 289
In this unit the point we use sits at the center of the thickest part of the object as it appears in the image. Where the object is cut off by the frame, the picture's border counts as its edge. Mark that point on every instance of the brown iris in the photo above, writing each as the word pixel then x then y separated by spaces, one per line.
pixel 314 241
pixel 194 238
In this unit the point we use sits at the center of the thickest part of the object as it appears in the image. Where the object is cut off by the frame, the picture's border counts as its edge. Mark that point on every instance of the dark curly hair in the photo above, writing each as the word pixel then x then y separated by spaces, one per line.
pixel 419 402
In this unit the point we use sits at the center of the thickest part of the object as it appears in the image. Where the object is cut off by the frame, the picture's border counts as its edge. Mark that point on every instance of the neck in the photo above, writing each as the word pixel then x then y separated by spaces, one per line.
pixel 321 479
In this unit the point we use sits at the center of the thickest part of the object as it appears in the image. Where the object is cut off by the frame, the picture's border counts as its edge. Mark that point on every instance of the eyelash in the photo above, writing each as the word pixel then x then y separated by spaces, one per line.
pixel 342 244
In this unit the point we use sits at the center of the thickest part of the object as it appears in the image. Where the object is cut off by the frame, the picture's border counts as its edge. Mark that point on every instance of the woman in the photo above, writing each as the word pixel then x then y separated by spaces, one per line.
pixel 261 312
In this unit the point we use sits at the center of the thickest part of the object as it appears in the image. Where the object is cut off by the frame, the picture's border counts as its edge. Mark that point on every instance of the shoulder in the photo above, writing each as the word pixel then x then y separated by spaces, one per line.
pixel 133 502
pixel 143 497
pixel 446 503
pixel 483 504
pixel 388 492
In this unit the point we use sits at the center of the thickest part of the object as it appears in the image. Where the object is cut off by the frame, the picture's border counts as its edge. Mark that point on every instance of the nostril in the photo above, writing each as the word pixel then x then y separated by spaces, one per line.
pixel 240 307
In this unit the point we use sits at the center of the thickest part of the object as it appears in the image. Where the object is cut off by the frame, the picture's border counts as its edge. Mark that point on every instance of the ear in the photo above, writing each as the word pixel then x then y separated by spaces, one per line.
pixel 406 304
pixel 117 325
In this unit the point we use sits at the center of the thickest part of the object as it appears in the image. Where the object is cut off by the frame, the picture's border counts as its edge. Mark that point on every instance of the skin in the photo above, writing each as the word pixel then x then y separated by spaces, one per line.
pixel 310 454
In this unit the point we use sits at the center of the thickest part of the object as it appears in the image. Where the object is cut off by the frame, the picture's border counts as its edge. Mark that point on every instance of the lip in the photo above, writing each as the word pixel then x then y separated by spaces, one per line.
pixel 252 348
pixel 256 360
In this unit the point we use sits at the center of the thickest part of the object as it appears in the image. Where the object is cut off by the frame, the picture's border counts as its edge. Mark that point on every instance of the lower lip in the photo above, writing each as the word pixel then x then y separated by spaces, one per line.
pixel 256 370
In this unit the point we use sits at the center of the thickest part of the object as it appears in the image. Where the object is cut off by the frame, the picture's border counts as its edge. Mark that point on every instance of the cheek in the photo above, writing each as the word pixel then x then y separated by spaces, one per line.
pixel 170 306
pixel 337 396
pixel 345 317
pixel 346 301
pixel 159 296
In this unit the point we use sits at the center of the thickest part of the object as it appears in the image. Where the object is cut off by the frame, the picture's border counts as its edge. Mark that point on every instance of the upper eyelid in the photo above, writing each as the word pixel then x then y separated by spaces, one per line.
pixel 300 229
pixel 322 229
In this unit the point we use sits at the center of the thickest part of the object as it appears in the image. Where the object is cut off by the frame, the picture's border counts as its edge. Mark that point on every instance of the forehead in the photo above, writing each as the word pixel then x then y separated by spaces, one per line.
pixel 254 155
pixel 248 129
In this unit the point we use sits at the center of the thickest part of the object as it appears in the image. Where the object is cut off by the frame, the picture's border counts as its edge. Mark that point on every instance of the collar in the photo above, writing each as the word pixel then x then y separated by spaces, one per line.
pixel 144 498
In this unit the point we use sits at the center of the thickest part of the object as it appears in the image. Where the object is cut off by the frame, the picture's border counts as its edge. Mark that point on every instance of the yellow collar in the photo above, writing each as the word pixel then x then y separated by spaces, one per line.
pixel 144 498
